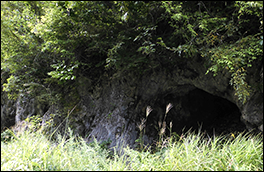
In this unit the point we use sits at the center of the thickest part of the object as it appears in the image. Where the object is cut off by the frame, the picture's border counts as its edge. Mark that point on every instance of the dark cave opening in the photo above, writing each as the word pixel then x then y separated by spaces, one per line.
pixel 212 112
pixel 196 110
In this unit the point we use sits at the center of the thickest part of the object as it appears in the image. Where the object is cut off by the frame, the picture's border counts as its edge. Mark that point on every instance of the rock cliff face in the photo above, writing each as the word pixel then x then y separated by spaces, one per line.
pixel 8 111
pixel 113 110
pixel 196 98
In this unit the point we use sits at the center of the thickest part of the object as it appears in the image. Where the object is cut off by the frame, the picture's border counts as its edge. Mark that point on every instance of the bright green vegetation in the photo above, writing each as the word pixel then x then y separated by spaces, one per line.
pixel 44 44
pixel 34 151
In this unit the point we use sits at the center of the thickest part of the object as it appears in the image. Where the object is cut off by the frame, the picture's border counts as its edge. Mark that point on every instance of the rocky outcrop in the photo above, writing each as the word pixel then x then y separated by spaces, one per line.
pixel 14 112
pixel 252 110
pixel 8 111
pixel 113 109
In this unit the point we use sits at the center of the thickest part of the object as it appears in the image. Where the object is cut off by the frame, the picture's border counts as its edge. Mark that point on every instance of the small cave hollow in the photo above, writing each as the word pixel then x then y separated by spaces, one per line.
pixel 195 110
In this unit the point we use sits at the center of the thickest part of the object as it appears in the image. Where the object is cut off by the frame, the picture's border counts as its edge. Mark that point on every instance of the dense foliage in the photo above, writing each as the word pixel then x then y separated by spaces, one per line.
pixel 48 43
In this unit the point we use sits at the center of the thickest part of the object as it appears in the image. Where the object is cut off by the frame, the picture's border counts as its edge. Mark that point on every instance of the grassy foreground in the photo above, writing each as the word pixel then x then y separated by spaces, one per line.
pixel 33 151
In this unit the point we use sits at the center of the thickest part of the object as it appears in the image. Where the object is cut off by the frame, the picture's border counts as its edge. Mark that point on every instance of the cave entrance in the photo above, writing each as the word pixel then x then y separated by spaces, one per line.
pixel 199 110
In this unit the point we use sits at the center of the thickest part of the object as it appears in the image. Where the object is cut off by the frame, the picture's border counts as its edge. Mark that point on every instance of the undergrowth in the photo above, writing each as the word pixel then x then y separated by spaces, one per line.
pixel 35 151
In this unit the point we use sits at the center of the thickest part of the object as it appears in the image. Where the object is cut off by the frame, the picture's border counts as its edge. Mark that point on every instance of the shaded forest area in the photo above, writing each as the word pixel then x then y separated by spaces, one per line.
pixel 45 46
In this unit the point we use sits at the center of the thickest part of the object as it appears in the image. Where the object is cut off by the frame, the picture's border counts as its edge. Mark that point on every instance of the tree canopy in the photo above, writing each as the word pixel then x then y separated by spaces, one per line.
pixel 43 43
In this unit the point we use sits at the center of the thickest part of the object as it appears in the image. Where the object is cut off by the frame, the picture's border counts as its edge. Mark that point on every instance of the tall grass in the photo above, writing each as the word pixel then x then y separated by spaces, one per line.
pixel 34 151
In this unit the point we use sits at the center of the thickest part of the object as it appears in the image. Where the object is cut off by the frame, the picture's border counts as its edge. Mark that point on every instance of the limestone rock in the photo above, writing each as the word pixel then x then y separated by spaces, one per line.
pixel 123 101
pixel 113 108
